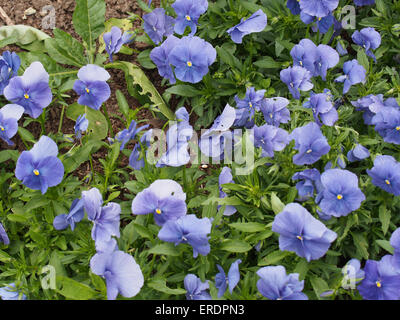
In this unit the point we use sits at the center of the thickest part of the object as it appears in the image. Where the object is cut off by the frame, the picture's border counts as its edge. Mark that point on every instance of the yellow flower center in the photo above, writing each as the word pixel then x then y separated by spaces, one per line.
pixel 189 63
pixel 158 211
pixel 378 284
pixel 87 90
pixel 319 19
pixel 398 128
pixel 309 151
pixel 2 128
pixel 36 172
pixel 387 182
pixel 250 105
pixel 299 237
pixel 301 63
pixel 339 197
pixel 188 18
pixel 26 96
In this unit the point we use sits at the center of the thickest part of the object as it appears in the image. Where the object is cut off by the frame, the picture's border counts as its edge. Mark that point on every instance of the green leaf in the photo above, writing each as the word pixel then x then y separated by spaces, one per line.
pixel 138 77
pixel 273 258
pixel 363 59
pixel 143 231
pixel 98 127
pixel 361 243
pixel 319 285
pixel 88 20
pixel 144 59
pixel 276 203
pixel 268 63
pixel 384 218
pixel 228 58
pixel 235 245
pixel 124 24
pixel 160 285
pixel 81 155
pixel 385 245
pixel 20 35
pixel 122 103
pixel 8 154
pixel 167 249
pixel 26 135
pixel 248 226
pixel 75 290
pixel 184 90
pixel 64 49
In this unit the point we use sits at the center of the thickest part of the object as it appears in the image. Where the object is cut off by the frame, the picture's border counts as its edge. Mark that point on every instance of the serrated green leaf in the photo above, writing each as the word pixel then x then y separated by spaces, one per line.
pixel 273 258
pixel 384 218
pixel 167 249
pixel 235 245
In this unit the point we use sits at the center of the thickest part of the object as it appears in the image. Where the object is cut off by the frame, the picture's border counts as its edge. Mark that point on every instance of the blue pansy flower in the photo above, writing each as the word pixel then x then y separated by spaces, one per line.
pixel 81 125
pixel 121 272
pixel 318 8
pixel 10 293
pixel 387 124
pixel 341 49
pixel 9 116
pixel 310 142
pixel 135 161
pixel 188 229
pixel 275 110
pixel 160 56
pixel 188 13
pixel 358 153
pixel 178 137
pixel 322 107
pixel 222 281
pixel 39 168
pixel 76 213
pixel 352 272
pixel 395 243
pixel 226 177
pixel 301 233
pixel 3 235
pixel 114 40
pixel 158 25
pixel 270 139
pixel 296 78
pixel 293 6
pixel 214 140
pixel 341 194
pixel 9 66
pixel 31 90
pixel 92 86
pixel 191 58
pixel 275 284
pixel 385 174
pixel 126 135
pixel 353 73
pixel 255 23
pixel 195 288
pixel 382 280
pixel 304 54
pixel 106 219
pixel 247 106
pixel 369 39
pixel 361 3
pixel 310 182
pixel 165 199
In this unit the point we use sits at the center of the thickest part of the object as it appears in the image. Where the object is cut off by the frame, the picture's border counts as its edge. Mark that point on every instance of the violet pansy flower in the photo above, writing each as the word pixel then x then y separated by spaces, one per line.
pixel 318 8
pixel 158 25
pixel 76 214
pixel 270 139
pixel 195 288
pixel 188 13
pixel 81 125
pixel 275 110
pixel 226 177
pixel 369 39
pixel 247 106
pixel 353 73
pixel 188 229
pixel 39 168
pixel 123 275
pixel 165 199
pixel 385 174
pixel 92 86
pixel 31 90
pixel 358 153
pixel 255 23
pixel 126 135
pixel 9 66
pixel 296 78
pixel 301 233
pixel 3 235
pixel 114 40
pixel 222 281
pixel 9 116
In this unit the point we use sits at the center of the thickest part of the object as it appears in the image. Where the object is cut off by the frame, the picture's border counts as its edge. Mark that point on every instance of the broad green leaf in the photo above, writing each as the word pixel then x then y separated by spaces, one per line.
pixel 138 77
pixel 268 63
pixel 363 59
pixel 184 90
pixel 384 218
pixel 98 127
pixel 81 155
pixel 276 203
pixel 248 226
pixel 73 289
pixel 8 154
pixel 20 35
pixel 319 285
pixel 273 258
pixel 144 59
pixel 167 249
pixel 235 245
pixel 122 103
pixel 88 20
pixel 64 49
pixel 385 245
pixel 160 285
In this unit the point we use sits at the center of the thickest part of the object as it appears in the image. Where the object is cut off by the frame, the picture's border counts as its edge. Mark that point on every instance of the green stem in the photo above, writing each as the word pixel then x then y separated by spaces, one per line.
pixel 108 121
pixel 23 140
pixel 61 119
pixel 91 168
pixel 42 122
